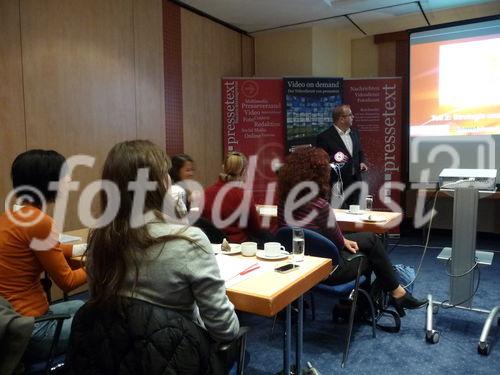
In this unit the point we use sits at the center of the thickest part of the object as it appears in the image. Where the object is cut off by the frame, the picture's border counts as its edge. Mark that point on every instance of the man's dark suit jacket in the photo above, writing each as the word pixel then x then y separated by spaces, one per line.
pixel 330 141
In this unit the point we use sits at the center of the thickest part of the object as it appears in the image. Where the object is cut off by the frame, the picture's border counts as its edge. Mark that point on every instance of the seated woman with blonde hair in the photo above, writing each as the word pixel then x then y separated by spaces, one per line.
pixel 232 209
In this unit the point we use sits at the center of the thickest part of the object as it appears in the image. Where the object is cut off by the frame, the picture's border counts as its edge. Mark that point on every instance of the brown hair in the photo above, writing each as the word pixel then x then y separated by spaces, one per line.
pixel 234 166
pixel 113 247
pixel 339 111
pixel 305 164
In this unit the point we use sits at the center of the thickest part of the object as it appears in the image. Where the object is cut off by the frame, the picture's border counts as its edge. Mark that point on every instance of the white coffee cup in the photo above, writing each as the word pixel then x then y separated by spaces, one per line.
pixel 248 249
pixel 273 249
pixel 354 208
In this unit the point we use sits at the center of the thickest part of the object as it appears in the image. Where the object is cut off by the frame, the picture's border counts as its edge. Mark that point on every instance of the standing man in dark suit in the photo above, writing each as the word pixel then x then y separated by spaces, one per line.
pixel 343 145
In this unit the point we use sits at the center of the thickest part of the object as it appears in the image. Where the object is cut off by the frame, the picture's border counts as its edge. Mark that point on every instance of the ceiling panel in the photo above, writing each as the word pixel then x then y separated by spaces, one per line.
pixel 339 22
pixel 258 15
pixel 397 18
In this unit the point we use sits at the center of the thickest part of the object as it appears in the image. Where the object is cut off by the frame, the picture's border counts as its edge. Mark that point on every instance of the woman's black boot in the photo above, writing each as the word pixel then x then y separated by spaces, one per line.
pixel 407 302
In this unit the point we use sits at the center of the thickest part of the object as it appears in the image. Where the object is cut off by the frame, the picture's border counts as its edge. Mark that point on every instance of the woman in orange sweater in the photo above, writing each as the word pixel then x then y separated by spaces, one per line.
pixel 24 255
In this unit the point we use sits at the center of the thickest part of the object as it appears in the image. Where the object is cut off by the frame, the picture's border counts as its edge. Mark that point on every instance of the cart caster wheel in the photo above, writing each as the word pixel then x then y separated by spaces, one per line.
pixel 483 348
pixel 435 309
pixel 432 338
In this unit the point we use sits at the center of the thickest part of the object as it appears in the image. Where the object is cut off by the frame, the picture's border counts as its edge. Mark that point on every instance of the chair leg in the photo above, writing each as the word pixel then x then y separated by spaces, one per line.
pixel 53 346
pixel 274 325
pixel 372 310
pixel 351 315
pixel 241 362
pixel 313 306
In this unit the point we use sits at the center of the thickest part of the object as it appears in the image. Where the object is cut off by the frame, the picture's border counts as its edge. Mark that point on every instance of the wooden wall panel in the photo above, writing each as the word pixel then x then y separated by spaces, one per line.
pixel 284 53
pixel 364 58
pixel 209 52
pixel 92 75
pixel 78 62
pixel 148 43
pixel 247 56
pixel 387 59
pixel 13 134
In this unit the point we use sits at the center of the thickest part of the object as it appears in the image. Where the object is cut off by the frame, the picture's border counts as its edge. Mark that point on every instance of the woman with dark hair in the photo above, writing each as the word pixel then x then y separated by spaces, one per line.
pixel 159 262
pixel 308 169
pixel 29 245
pixel 223 199
pixel 182 169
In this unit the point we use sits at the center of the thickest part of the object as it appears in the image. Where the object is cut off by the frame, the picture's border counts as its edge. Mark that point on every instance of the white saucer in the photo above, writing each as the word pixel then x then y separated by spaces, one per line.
pixel 235 249
pixel 373 219
pixel 356 213
pixel 262 255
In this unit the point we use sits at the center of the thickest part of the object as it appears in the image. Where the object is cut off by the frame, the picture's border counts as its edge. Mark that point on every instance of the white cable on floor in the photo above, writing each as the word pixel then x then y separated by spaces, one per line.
pixel 426 242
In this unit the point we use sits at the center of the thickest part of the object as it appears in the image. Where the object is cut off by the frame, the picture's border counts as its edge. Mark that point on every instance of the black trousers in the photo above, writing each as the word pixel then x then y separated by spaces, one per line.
pixel 353 198
pixel 376 260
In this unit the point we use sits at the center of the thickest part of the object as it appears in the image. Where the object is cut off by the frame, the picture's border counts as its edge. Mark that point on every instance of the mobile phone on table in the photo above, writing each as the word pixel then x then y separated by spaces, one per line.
pixel 286 268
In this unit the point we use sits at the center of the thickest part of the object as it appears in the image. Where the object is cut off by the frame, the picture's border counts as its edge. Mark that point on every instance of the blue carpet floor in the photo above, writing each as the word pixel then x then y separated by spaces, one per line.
pixel 395 353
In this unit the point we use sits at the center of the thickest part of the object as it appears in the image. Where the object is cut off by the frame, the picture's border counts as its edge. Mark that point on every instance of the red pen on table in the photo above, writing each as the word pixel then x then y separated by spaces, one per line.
pixel 253 267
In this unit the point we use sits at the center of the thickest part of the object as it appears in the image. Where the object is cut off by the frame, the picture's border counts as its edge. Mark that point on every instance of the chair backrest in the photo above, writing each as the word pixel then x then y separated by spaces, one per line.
pixel 315 243
pixel 136 338
pixel 15 333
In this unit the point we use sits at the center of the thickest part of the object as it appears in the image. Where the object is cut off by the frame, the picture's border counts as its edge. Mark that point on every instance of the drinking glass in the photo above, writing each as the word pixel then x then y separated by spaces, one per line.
pixel 298 245
pixel 369 202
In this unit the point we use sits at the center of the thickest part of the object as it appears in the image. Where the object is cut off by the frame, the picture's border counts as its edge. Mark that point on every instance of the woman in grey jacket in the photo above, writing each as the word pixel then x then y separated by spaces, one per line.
pixel 143 254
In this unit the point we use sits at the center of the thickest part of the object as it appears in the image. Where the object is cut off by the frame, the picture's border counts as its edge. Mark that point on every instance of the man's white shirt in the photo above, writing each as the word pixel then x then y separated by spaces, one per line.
pixel 346 138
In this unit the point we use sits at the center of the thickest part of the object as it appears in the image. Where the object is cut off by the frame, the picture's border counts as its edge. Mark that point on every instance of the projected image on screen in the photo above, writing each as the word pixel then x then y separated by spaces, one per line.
pixel 454 97
pixel 455 87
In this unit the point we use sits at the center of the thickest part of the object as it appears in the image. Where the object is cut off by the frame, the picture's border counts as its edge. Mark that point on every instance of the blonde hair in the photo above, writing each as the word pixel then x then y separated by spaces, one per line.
pixel 233 167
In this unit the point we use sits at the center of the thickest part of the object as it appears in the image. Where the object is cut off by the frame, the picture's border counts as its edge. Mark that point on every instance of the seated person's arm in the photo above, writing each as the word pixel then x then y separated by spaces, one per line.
pixel 179 198
pixel 53 259
pixel 70 250
pixel 67 249
pixel 329 227
pixel 209 291
pixel 54 262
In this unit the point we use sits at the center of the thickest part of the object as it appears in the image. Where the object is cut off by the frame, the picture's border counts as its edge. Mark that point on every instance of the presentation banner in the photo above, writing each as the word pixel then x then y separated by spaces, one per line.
pixel 252 113
pixel 309 103
pixel 376 105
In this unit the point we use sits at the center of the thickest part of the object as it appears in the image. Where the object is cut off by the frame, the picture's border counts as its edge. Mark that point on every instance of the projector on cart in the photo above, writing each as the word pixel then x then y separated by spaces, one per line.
pixel 481 179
